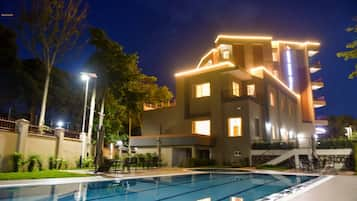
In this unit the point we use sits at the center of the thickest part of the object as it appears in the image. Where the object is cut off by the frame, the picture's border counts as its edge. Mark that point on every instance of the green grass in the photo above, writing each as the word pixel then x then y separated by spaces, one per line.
pixel 271 167
pixel 39 175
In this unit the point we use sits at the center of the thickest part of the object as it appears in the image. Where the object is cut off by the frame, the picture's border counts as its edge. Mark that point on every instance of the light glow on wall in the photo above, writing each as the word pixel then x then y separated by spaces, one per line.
pixel 320 130
pixel 222 65
pixel 205 56
pixel 202 127
pixel 255 70
pixel 222 36
pixel 290 68
pixel 276 42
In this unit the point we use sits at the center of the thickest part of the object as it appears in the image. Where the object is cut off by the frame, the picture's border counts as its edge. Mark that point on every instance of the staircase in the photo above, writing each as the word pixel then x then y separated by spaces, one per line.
pixel 288 154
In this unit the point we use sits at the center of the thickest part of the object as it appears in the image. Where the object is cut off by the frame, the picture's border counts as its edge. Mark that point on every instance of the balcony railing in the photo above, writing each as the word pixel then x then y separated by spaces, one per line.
pixel 148 106
pixel 319 102
pixel 7 125
pixel 314 68
pixel 317 84
pixel 72 134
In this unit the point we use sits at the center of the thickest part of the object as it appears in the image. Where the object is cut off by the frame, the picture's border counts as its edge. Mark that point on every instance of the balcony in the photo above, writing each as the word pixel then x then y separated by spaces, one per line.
pixel 319 102
pixel 314 68
pixel 318 84
pixel 148 106
pixel 172 140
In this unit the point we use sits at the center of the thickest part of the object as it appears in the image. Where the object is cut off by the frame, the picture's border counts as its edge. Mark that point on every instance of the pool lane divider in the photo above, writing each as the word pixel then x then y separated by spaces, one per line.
pixel 173 185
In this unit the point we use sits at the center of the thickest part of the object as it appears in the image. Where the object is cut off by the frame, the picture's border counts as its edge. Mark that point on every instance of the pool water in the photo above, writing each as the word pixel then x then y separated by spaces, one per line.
pixel 196 187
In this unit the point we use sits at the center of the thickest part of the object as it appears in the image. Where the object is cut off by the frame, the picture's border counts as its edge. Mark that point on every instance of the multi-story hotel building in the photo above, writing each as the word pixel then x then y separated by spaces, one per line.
pixel 246 89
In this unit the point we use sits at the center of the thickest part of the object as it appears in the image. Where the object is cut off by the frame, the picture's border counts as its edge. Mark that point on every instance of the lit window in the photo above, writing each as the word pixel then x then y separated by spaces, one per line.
pixel 235 88
pixel 275 55
pixel 201 127
pixel 226 54
pixel 251 90
pixel 203 90
pixel 272 100
pixel 235 127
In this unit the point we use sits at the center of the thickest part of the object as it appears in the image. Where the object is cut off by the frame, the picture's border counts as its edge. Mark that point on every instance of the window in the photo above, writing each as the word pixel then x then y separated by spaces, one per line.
pixel 271 99
pixel 226 54
pixel 235 127
pixel 251 90
pixel 275 55
pixel 203 90
pixel 201 127
pixel 235 88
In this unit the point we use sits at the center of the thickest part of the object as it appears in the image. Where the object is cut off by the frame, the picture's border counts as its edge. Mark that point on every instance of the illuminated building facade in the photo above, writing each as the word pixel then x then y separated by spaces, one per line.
pixel 247 89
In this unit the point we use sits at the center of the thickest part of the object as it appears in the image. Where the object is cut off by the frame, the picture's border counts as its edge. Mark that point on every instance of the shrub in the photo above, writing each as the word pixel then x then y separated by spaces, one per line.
pixel 355 155
pixel 197 162
pixel 18 161
pixel 32 162
pixel 334 143
pixel 51 163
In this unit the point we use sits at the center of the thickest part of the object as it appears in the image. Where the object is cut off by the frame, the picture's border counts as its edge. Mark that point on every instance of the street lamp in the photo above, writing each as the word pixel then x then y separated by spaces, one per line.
pixel 60 124
pixel 85 77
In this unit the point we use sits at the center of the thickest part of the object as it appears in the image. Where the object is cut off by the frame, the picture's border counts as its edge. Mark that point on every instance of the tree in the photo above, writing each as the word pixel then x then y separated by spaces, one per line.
pixel 8 65
pixel 50 28
pixel 122 84
pixel 352 53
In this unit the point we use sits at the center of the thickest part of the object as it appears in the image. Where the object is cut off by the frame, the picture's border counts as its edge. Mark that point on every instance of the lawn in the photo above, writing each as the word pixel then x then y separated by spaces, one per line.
pixel 39 175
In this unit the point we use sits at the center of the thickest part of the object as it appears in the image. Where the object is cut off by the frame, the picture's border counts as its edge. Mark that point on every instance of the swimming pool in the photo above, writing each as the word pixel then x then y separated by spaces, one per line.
pixel 195 187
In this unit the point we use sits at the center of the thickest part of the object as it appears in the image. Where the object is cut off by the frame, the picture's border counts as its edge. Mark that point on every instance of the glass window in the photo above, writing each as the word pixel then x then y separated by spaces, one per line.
pixel 203 90
pixel 226 54
pixel 235 127
pixel 235 88
pixel 202 127
pixel 251 90
pixel 272 99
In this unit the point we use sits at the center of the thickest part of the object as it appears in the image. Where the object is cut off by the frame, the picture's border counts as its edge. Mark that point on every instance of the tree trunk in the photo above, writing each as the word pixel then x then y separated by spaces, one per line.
pixel 91 118
pixel 100 138
pixel 41 122
pixel 129 132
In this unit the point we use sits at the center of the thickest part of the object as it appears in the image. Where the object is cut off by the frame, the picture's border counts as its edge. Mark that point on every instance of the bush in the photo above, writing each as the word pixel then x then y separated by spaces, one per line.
pixel 18 161
pixel 197 162
pixel 86 163
pixel 273 145
pixel 32 162
pixel 355 155
pixel 57 163
pixel 334 143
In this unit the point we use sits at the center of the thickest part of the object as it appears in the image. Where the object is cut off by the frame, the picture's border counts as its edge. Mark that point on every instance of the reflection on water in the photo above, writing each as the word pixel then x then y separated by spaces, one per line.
pixel 200 187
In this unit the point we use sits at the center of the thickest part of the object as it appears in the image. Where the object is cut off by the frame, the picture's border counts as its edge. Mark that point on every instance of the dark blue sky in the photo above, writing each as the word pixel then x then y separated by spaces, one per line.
pixel 170 35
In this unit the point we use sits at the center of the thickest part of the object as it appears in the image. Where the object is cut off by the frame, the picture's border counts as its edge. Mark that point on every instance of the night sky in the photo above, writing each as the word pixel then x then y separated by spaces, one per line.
pixel 172 35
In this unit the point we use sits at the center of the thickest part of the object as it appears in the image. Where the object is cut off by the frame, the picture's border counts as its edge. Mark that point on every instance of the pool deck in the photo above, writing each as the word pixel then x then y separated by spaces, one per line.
pixel 337 187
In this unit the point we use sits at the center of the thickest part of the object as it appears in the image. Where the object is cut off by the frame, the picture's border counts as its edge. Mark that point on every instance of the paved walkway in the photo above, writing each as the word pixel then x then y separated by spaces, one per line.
pixel 339 188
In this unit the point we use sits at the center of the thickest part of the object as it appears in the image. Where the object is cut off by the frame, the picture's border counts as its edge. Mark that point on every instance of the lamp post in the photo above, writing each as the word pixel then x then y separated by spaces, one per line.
pixel 85 77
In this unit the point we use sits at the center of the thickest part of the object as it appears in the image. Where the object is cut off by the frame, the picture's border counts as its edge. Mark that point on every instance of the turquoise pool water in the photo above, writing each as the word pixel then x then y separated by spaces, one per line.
pixel 197 187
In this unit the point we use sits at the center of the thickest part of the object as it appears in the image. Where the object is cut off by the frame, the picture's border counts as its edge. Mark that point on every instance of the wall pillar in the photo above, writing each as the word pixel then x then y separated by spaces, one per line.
pixel 59 133
pixel 22 129
pixel 194 152
pixel 297 161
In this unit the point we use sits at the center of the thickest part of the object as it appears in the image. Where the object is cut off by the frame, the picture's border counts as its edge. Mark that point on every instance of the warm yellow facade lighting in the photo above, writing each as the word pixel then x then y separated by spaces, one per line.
pixel 317 85
pixel 209 68
pixel 319 103
pixel 276 42
pixel 222 36
pixel 205 56
pixel 255 71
